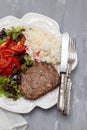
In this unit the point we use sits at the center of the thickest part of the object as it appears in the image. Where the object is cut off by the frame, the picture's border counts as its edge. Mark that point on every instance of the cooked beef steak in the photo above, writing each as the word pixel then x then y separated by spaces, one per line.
pixel 38 80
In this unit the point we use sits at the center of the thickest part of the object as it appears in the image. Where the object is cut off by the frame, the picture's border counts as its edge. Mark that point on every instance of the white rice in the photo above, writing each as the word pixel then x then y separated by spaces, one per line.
pixel 41 40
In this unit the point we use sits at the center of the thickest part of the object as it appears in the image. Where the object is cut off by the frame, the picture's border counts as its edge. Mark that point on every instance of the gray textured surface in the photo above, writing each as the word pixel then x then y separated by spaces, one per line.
pixel 72 17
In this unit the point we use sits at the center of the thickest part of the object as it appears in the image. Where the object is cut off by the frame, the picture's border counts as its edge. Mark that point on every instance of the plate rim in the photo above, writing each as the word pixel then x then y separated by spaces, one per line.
pixel 56 25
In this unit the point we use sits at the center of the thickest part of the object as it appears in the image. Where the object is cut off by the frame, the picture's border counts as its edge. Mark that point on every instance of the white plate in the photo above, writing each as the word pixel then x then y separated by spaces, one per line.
pixel 22 105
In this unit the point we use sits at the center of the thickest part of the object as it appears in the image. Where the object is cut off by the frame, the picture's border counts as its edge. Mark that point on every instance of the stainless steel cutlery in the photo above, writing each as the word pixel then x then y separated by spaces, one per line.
pixel 71 60
pixel 66 83
pixel 63 71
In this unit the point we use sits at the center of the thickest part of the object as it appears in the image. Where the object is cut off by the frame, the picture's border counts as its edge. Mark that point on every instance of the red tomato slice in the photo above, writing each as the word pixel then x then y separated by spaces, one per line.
pixel 5 62
pixel 12 43
pixel 6 44
pixel 1 70
pixel 6 52
pixel 16 62
pixel 8 41
pixel 23 39
pixel 8 70
pixel 19 47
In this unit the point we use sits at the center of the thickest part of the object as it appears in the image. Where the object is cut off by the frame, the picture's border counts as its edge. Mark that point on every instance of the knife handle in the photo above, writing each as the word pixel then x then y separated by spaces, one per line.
pixel 62 92
pixel 67 97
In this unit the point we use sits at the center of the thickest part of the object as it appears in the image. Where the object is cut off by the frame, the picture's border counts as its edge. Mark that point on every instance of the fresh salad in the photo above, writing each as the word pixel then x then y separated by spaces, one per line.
pixel 13 61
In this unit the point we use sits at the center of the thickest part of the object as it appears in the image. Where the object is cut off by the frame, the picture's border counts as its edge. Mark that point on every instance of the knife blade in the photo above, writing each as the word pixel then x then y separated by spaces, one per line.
pixel 63 70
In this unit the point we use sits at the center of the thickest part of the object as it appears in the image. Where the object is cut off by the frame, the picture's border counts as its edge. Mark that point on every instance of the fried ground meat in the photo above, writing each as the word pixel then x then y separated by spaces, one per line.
pixel 39 80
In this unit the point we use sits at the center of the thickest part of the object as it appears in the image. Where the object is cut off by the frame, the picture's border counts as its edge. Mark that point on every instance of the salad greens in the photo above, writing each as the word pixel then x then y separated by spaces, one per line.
pixel 2 40
pixel 9 87
pixel 27 63
pixel 3 82
pixel 14 32
pixel 10 74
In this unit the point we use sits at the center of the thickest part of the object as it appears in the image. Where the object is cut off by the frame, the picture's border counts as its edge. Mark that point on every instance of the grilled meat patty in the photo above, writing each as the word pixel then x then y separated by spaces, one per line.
pixel 39 80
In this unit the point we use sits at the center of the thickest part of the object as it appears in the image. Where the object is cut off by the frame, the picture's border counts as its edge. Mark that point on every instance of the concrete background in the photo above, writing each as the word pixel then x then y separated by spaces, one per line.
pixel 72 17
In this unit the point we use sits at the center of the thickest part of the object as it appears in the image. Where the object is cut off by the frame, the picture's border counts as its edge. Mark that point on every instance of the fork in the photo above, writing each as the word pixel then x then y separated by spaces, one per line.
pixel 71 60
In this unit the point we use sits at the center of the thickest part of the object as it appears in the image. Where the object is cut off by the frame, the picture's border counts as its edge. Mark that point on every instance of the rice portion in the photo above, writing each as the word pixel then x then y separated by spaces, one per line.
pixel 43 45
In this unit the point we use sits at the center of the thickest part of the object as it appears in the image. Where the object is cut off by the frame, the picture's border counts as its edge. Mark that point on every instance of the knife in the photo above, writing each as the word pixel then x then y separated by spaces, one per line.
pixel 67 97
pixel 63 70
pixel 68 92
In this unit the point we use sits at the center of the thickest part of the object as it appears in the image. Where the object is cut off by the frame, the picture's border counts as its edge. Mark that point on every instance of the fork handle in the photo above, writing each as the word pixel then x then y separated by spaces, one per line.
pixel 67 97
pixel 62 92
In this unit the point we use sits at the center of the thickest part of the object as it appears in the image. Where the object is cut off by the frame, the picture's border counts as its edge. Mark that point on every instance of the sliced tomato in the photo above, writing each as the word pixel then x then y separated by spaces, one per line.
pixel 1 70
pixel 23 39
pixel 19 47
pixel 16 62
pixel 6 52
pixel 8 41
pixel 6 44
pixel 8 70
pixel 13 43
pixel 5 62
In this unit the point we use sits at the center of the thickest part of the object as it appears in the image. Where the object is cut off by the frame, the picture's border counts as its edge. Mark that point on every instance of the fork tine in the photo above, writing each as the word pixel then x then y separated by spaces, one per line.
pixel 74 44
pixel 70 45
pixel 71 52
pixel 72 49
